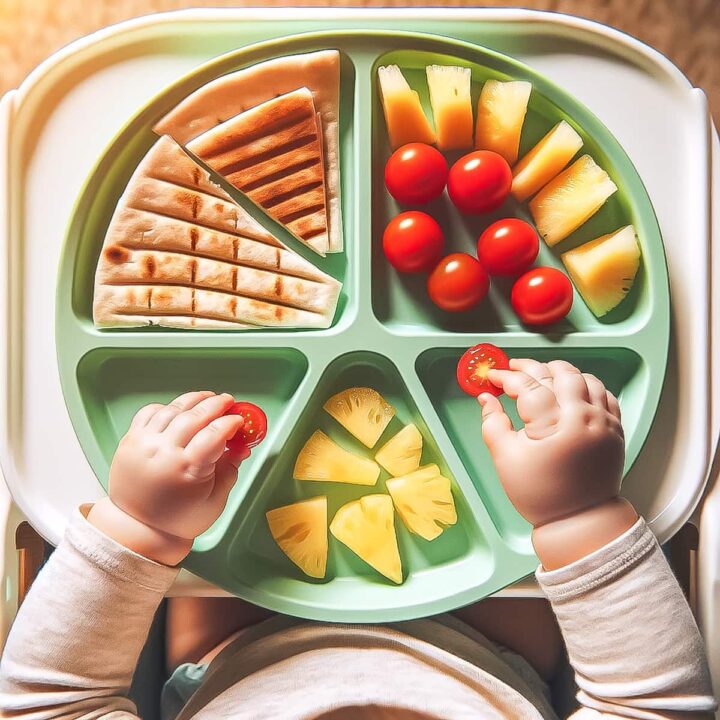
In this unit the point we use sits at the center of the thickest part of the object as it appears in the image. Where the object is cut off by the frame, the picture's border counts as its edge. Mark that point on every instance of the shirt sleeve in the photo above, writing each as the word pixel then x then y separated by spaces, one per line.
pixel 630 635
pixel 75 642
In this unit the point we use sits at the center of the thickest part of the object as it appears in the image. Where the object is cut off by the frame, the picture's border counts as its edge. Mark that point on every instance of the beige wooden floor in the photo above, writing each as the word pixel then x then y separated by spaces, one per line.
pixel 687 31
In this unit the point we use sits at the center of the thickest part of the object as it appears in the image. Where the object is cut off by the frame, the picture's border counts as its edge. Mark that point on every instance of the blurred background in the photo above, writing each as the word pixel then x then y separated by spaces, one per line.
pixel 687 31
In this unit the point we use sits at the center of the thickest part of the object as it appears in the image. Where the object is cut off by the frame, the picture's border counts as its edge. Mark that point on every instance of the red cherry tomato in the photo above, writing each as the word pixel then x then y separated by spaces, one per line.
pixel 458 282
pixel 473 368
pixel 413 242
pixel 416 173
pixel 253 430
pixel 508 247
pixel 479 182
pixel 542 296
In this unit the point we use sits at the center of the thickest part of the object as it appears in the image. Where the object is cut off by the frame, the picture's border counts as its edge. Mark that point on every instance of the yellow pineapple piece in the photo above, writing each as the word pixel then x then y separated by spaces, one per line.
pixel 500 117
pixel 367 527
pixel 545 160
pixel 573 197
pixel 404 116
pixel 322 460
pixel 401 453
pixel 361 411
pixel 300 530
pixel 451 105
pixel 424 501
pixel 604 269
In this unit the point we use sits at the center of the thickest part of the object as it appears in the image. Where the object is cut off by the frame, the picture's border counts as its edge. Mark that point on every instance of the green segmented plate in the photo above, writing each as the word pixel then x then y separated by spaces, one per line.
pixel 386 334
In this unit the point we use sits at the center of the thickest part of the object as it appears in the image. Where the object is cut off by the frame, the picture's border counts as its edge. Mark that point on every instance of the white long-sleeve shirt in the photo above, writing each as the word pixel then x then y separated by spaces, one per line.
pixel 630 635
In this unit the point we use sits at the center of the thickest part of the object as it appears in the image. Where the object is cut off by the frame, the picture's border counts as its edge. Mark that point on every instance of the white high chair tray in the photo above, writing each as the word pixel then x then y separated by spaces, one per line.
pixel 53 128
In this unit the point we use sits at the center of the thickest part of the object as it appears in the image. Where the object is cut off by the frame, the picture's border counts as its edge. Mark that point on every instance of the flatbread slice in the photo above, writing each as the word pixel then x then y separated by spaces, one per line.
pixel 273 154
pixel 232 94
pixel 180 253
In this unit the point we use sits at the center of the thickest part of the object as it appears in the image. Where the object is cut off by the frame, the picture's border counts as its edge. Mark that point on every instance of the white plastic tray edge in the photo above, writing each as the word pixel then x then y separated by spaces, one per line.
pixel 621 43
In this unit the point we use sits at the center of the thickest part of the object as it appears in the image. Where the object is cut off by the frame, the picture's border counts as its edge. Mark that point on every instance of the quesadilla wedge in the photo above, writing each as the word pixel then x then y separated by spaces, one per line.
pixel 273 154
pixel 180 253
pixel 227 96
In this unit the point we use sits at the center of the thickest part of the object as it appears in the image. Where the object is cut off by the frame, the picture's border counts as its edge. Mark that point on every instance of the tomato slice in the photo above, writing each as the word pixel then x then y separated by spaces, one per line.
pixel 254 428
pixel 474 366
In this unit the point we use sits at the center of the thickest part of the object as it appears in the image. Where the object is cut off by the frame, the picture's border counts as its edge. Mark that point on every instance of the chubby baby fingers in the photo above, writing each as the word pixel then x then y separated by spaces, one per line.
pixel 596 391
pixel 162 418
pixel 534 400
pixel 186 425
pixel 208 445
pixel 495 423
pixel 144 415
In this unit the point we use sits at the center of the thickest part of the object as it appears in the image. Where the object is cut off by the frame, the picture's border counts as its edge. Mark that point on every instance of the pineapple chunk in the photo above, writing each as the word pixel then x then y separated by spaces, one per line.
pixel 424 501
pixel 361 411
pixel 401 453
pixel 323 460
pixel 573 197
pixel 604 269
pixel 300 530
pixel 367 527
pixel 404 116
pixel 451 106
pixel 545 161
pixel 500 117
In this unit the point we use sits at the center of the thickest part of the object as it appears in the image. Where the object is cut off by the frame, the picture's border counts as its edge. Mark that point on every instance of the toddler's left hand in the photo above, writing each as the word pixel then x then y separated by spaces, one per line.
pixel 171 475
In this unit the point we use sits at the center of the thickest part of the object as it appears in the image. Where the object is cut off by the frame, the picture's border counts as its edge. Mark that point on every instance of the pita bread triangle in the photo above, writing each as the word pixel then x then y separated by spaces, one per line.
pixel 179 252
pixel 232 94
pixel 273 154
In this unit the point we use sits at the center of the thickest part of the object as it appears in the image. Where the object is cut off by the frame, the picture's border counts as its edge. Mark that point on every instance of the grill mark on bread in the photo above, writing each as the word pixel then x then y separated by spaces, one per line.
pixel 116 254
pixel 236 263
pixel 195 203
pixel 194 235
pixel 193 270
pixel 276 152
pixel 149 266
pixel 290 194
pixel 232 306
pixel 277 120
pixel 278 286
pixel 279 175
pixel 192 300
pixel 159 291
pixel 196 175
pixel 291 217
pixel 204 226
pixel 310 234
pixel 233 277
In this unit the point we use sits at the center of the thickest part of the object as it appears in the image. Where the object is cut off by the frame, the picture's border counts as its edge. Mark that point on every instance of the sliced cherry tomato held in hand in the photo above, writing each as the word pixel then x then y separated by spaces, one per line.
pixel 458 282
pixel 416 173
pixel 474 366
pixel 479 182
pixel 542 296
pixel 253 429
pixel 413 242
pixel 508 247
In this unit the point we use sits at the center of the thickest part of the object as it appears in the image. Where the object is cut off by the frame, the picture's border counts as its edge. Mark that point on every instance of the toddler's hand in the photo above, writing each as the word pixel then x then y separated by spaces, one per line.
pixel 569 456
pixel 562 471
pixel 171 475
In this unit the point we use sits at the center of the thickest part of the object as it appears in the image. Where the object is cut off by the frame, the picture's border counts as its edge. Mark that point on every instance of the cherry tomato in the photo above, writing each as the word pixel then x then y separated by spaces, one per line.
pixel 508 247
pixel 473 368
pixel 416 173
pixel 413 242
pixel 479 182
pixel 542 296
pixel 253 430
pixel 458 282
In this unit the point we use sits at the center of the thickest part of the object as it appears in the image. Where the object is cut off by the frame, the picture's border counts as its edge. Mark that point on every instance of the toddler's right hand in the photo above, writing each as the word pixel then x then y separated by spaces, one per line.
pixel 567 461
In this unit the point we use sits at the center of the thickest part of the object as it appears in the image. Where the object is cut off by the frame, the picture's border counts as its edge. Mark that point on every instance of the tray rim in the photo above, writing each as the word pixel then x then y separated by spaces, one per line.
pixel 550 20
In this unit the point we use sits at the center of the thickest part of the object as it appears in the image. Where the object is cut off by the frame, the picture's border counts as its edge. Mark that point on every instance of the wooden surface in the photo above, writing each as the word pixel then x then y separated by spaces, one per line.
pixel 687 31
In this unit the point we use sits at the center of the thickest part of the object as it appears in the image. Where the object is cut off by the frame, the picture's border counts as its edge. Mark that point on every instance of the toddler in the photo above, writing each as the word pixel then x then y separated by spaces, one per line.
pixel 629 633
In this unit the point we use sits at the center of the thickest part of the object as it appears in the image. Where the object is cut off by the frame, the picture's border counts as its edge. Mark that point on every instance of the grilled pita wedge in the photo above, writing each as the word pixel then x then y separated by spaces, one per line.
pixel 273 153
pixel 232 94
pixel 180 253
